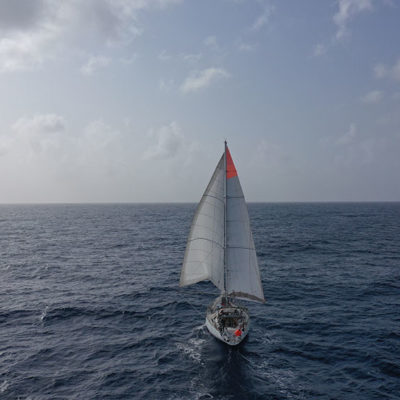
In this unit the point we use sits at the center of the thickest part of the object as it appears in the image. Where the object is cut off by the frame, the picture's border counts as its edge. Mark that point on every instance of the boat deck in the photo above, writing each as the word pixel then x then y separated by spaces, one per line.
pixel 229 322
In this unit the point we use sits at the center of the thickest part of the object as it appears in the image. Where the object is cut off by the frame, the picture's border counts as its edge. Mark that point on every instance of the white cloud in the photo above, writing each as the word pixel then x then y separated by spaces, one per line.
pixel 40 123
pixel 94 63
pixel 38 31
pixel 246 47
pixel 164 56
pixel 319 50
pixel 152 3
pixel 166 85
pixel 349 136
pixel 99 146
pixel 25 50
pixel 380 71
pixel 211 42
pixel 201 79
pixel 270 156
pixel 46 161
pixel 374 96
pixel 263 18
pixel 169 159
pixel 129 60
pixel 192 58
pixel 169 140
pixel 396 71
pixel 31 137
pixel 44 137
pixel 383 71
pixel 347 10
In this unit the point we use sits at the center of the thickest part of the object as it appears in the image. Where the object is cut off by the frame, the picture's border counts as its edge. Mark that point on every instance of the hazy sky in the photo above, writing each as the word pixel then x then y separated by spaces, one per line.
pixel 130 100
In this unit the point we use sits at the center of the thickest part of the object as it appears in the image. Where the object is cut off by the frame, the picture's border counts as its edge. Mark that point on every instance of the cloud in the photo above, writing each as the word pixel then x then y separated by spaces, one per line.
pixel 246 47
pixel 33 136
pixel 269 155
pixel 348 9
pixel 211 42
pixel 380 71
pixel 319 50
pixel 44 137
pixel 164 56
pixel 25 50
pixel 349 136
pixel 372 97
pixel 263 18
pixel 129 60
pixel 166 85
pixel 192 58
pixel 198 80
pixel 170 154
pixel 383 71
pixel 94 63
pixel 47 161
pixel 99 146
pixel 169 141
pixel 396 71
pixel 40 123
pixel 38 31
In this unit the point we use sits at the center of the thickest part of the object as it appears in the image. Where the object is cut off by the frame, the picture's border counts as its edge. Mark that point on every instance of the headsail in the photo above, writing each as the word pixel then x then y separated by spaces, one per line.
pixel 204 256
pixel 242 273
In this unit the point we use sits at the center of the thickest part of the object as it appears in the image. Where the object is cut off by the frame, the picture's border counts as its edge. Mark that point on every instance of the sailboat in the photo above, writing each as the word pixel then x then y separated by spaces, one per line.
pixel 220 248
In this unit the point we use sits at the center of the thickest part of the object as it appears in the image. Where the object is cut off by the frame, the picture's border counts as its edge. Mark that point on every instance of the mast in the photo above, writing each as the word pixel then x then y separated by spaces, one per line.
pixel 225 269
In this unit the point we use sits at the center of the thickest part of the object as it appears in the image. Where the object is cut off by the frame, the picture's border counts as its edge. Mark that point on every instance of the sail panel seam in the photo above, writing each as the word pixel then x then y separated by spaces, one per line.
pixel 208 240
pixel 214 197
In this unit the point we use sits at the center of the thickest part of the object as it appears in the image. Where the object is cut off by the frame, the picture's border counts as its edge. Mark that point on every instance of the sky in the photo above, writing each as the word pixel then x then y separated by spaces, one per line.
pixel 131 100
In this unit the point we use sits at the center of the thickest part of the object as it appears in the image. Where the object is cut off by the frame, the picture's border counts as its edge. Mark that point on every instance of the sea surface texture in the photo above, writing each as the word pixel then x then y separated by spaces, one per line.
pixel 90 306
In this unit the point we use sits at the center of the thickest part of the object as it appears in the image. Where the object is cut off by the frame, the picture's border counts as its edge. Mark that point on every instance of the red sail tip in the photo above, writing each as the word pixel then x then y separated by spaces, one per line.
pixel 230 166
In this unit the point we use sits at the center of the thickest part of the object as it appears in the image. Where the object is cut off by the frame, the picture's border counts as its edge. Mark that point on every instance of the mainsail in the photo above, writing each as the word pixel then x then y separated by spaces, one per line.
pixel 220 246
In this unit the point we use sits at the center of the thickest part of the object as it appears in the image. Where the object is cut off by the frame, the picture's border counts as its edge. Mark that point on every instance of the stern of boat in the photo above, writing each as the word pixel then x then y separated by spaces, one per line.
pixel 227 321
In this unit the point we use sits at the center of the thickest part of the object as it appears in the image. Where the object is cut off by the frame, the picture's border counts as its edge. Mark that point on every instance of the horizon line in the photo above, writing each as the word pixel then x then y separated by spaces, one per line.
pixel 195 202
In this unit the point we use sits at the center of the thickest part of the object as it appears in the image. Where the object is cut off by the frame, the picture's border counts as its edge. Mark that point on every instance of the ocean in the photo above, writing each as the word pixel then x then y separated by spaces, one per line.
pixel 90 306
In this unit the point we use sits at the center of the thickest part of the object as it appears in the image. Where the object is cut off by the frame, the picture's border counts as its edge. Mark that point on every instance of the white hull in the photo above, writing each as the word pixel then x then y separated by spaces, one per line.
pixel 231 339
pixel 229 323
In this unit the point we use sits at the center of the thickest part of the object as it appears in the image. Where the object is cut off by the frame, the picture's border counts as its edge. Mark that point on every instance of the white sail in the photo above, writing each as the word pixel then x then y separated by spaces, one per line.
pixel 204 256
pixel 220 246
pixel 242 273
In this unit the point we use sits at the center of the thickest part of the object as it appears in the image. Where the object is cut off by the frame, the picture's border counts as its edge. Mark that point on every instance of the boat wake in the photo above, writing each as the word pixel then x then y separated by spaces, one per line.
pixel 193 347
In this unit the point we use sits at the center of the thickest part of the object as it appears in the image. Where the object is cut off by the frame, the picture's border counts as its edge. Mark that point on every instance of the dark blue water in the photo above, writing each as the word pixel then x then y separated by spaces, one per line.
pixel 90 306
